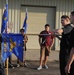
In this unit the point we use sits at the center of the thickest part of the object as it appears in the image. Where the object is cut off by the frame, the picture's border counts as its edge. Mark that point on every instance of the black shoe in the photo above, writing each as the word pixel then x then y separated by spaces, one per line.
pixel 11 66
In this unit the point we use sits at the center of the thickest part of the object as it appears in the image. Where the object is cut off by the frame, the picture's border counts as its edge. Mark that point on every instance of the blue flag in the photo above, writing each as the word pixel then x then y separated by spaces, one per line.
pixel 16 45
pixel 5 47
pixel 4 20
pixel 25 22
pixel 12 43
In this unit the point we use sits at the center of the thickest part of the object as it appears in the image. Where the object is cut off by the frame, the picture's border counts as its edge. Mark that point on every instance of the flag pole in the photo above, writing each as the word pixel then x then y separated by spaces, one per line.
pixel 7 58
pixel 6 1
pixel 26 10
pixel 7 17
pixel 7 66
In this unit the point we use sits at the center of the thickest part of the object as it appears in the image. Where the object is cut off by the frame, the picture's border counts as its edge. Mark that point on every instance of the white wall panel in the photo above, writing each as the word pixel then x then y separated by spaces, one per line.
pixel 62 7
pixel 37 18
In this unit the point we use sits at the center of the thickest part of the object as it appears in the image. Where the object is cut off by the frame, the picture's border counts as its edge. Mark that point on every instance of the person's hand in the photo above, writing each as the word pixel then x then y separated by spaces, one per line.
pixel 67 69
pixel 49 49
pixel 26 41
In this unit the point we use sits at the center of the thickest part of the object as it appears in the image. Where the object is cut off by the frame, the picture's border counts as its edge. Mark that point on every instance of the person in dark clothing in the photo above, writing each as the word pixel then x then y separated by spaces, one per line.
pixel 66 42
pixel 69 69
pixel 25 37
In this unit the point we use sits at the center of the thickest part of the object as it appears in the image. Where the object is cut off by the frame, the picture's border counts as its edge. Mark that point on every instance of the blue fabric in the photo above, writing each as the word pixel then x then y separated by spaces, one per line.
pixel 4 20
pixel 14 44
pixel 25 23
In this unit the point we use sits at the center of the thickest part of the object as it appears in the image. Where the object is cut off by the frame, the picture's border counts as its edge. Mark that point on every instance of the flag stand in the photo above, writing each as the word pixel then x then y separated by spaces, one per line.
pixel 7 66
